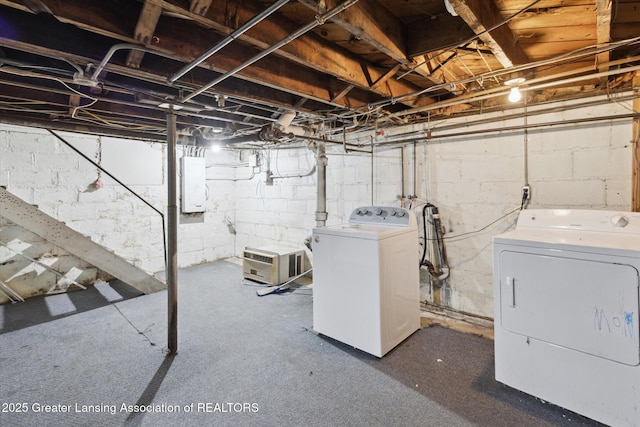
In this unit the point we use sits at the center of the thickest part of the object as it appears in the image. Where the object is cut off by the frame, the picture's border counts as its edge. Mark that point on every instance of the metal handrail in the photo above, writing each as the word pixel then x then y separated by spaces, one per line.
pixel 68 144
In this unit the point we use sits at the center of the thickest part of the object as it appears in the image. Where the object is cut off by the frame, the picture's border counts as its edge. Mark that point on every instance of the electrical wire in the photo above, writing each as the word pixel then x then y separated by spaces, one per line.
pixel 469 40
pixel 552 62
pixel 518 209
pixel 292 290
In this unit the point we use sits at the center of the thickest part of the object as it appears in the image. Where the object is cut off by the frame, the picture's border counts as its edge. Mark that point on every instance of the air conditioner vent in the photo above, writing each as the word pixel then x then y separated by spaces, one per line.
pixel 273 265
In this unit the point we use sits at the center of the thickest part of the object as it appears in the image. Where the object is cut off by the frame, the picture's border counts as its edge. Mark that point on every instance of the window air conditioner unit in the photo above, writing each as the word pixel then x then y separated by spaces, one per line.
pixel 273 265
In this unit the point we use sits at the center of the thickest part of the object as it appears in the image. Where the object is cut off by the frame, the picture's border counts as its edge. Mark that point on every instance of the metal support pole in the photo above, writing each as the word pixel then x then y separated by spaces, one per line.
pixel 321 191
pixel 172 238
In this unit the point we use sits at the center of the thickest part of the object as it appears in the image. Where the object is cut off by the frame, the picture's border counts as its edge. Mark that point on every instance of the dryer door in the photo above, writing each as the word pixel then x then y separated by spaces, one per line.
pixel 581 304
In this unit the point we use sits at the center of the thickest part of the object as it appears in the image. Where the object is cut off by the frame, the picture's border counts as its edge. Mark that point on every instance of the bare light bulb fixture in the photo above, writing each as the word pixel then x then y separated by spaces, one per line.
pixel 515 95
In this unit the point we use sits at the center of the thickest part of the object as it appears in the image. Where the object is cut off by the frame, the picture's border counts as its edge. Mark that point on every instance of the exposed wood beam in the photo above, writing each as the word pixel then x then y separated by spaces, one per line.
pixel 635 146
pixel 342 93
pixel 383 79
pixel 154 74
pixel 603 29
pixel 368 22
pixel 145 28
pixel 482 15
pixel 74 102
pixel 440 32
pixel 308 50
pixel 187 42
pixel 271 71
pixel 200 7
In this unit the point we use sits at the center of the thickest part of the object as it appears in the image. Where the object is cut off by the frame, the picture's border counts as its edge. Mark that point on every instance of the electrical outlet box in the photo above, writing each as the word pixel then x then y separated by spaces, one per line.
pixel 193 187
pixel 253 160
pixel 526 193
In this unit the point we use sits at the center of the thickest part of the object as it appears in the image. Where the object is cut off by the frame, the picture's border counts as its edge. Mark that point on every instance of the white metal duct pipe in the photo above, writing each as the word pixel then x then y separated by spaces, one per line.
pixel 321 200
pixel 231 37
pixel 319 21
pixel 285 120
pixel 301 131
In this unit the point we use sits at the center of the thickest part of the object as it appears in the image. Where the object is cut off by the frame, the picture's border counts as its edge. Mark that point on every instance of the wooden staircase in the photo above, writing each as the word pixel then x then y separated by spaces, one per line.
pixel 40 255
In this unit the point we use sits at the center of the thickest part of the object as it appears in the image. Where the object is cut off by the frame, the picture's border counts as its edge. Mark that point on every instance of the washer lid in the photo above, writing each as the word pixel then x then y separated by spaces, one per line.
pixel 363 231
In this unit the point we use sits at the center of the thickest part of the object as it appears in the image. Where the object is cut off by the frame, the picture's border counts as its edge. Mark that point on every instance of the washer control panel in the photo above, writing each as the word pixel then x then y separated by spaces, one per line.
pixel 380 215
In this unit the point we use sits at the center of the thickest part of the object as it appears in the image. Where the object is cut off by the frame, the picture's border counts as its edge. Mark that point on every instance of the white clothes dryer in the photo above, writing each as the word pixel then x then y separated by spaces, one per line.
pixel 566 311
pixel 366 286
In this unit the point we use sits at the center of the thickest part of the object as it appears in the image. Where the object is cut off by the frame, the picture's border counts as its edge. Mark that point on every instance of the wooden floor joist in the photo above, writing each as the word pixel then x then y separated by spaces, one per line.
pixel 635 146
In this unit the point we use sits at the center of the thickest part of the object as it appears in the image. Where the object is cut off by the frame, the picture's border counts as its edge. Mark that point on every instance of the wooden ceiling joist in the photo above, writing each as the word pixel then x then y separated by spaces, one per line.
pixel 603 29
pixel 144 31
pixel 313 52
pixel 401 56
pixel 379 29
pixel 635 146
pixel 482 16
pixel 200 7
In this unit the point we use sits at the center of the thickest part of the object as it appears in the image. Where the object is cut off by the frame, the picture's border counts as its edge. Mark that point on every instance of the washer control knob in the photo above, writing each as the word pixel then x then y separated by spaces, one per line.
pixel 361 211
pixel 394 213
pixel 619 220
pixel 378 212
pixel 400 214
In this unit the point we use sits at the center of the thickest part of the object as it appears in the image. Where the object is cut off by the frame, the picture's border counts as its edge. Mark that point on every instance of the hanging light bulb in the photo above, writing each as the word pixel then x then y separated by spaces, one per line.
pixel 513 82
pixel 515 95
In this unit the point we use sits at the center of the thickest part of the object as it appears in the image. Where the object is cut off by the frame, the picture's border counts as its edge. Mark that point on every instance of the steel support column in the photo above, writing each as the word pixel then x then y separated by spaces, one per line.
pixel 172 238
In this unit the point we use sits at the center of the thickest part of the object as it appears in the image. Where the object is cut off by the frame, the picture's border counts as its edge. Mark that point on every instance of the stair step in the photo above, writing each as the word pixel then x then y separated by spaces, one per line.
pixel 57 233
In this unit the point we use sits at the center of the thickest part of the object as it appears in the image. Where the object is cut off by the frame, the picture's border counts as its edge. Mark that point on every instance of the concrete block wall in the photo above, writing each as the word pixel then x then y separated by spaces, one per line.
pixel 280 212
pixel 284 212
pixel 476 180
pixel 35 166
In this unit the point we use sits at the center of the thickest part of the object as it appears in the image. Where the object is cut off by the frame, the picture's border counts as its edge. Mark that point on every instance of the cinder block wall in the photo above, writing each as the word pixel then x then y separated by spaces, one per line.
pixel 284 212
pixel 477 179
pixel 35 166
pixel 474 180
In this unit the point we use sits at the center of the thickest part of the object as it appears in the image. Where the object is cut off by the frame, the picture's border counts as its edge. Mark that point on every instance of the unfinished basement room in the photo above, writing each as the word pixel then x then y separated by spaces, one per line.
pixel 320 213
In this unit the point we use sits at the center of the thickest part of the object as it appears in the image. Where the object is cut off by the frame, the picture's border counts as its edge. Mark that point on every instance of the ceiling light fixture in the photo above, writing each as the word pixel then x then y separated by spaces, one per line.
pixel 515 81
pixel 515 95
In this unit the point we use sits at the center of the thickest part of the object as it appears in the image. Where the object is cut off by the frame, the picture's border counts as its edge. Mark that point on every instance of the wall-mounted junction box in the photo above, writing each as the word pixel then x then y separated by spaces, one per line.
pixel 194 193
pixel 253 160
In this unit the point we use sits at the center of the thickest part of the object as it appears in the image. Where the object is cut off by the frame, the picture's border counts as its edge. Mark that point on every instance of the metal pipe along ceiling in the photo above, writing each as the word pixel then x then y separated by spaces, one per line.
pixel 492 93
pixel 237 33
pixel 319 21
pixel 521 68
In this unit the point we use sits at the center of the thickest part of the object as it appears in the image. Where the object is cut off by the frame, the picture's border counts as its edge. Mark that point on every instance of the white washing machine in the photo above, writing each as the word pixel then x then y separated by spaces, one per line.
pixel 566 311
pixel 366 286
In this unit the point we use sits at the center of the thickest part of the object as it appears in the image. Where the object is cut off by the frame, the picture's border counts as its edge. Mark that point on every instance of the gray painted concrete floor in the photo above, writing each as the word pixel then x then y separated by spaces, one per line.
pixel 243 360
